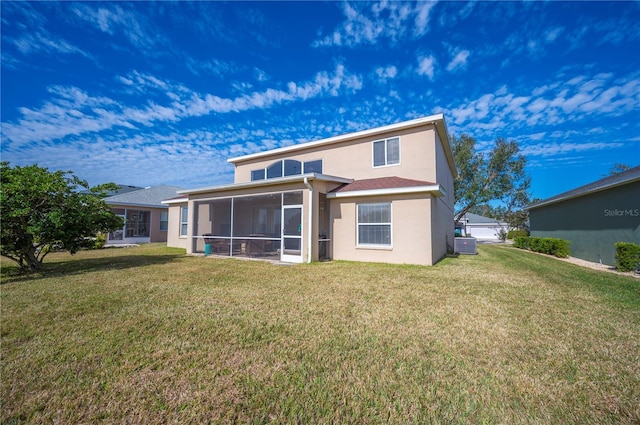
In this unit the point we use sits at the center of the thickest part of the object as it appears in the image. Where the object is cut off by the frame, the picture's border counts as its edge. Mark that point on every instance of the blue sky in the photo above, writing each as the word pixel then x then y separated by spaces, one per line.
pixel 163 93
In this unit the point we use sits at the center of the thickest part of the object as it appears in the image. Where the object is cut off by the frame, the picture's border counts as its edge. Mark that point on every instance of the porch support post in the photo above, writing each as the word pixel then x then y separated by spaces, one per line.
pixel 310 226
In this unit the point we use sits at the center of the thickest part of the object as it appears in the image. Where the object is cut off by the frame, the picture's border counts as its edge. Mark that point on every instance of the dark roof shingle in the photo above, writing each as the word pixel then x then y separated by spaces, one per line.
pixel 381 183
pixel 150 197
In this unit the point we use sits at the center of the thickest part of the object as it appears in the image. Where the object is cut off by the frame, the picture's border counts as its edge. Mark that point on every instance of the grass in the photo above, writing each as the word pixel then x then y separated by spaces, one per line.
pixel 149 335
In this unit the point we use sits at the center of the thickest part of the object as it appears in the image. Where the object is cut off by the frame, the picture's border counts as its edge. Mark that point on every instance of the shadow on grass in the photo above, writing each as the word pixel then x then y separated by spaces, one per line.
pixel 75 266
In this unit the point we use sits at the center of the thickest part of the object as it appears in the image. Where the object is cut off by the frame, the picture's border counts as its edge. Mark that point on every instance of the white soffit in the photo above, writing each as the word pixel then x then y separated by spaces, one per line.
pixel 436 189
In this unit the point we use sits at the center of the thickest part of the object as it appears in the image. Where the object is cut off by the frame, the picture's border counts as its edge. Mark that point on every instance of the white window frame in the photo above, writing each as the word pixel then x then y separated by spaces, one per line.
pixel 386 143
pixel 165 215
pixel 321 161
pixel 390 224
pixel 184 224
pixel 282 168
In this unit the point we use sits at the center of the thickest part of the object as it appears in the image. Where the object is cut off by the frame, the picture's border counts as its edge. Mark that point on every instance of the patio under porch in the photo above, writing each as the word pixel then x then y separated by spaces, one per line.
pixel 270 226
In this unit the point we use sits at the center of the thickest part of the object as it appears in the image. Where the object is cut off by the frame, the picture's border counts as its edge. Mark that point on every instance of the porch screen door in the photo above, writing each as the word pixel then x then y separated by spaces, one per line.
pixel 291 234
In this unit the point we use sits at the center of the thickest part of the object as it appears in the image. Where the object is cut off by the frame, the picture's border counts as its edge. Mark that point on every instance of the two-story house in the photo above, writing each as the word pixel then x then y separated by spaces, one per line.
pixel 383 195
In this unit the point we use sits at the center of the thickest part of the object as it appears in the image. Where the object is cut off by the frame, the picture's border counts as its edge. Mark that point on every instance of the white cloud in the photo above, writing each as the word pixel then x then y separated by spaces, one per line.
pixel 422 12
pixel 28 33
pixel 459 60
pixel 370 23
pixel 552 34
pixel 72 111
pixel 386 72
pixel 260 75
pixel 44 42
pixel 426 66
pixel 114 19
pixel 578 98
pixel 555 149
pixel 215 67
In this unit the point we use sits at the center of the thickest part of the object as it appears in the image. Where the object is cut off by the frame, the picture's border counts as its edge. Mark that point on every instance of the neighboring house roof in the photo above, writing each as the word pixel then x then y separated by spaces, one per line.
pixel 437 120
pixel 122 188
pixel 385 186
pixel 471 218
pixel 619 179
pixel 147 197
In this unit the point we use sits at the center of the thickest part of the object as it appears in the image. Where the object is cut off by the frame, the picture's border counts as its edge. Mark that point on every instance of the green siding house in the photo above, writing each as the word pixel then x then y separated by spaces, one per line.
pixel 592 217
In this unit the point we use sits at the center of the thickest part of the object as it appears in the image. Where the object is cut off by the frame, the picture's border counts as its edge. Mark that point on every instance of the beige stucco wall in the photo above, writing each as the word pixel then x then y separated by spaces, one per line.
pixel 442 230
pixel 411 230
pixel 422 224
pixel 173 235
pixel 354 159
pixel 442 208
pixel 157 235
pixel 444 173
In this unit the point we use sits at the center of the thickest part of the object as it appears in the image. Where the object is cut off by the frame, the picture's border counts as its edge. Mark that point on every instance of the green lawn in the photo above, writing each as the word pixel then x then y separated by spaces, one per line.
pixel 149 335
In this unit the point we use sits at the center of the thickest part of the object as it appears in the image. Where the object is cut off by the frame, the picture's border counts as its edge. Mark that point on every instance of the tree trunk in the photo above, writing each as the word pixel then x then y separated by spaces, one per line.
pixel 461 213
pixel 31 261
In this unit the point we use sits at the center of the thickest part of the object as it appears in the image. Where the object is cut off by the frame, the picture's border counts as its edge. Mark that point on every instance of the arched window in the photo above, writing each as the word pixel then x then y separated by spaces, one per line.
pixel 292 167
pixel 287 167
pixel 274 170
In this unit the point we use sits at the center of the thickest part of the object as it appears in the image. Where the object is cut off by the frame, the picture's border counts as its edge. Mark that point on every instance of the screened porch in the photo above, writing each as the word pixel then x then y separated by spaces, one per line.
pixel 265 226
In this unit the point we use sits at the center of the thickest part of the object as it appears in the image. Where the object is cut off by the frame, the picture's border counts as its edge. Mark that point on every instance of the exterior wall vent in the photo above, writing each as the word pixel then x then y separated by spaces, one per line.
pixel 465 246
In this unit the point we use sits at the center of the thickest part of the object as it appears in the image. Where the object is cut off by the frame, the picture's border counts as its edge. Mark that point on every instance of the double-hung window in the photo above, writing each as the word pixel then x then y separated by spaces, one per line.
pixel 386 152
pixel 184 220
pixel 164 220
pixel 374 224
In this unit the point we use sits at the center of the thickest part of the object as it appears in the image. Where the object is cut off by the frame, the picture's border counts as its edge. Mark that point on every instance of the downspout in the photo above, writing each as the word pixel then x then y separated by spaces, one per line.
pixel 310 237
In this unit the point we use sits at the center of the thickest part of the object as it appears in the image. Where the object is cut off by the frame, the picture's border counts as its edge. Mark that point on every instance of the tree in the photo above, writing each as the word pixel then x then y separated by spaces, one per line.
pixel 43 210
pixel 618 168
pixel 498 175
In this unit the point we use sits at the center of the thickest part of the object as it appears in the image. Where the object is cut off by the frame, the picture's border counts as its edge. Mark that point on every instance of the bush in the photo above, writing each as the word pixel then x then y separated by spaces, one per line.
pixel 627 256
pixel 550 246
pixel 513 234
pixel 521 242
pixel 99 241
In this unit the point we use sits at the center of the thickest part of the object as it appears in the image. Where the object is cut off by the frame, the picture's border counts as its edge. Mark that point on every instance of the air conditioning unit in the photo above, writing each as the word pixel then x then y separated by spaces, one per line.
pixel 465 246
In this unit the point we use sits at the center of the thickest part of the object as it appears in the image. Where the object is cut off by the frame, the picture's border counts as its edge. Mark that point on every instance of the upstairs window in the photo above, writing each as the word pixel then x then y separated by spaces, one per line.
pixel 292 167
pixel 257 174
pixel 287 167
pixel 386 152
pixel 313 166
pixel 274 170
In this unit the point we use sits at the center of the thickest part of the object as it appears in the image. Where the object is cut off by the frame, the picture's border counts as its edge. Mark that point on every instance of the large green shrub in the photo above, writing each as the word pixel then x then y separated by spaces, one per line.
pixel 550 246
pixel 627 256
pixel 521 242
pixel 513 234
